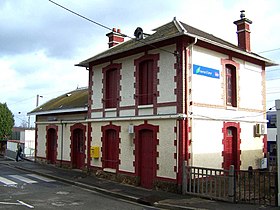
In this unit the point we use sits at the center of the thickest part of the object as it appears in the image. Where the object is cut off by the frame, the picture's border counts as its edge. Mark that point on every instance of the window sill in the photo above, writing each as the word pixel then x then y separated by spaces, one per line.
pixel 110 170
pixel 110 109
pixel 231 108
pixel 145 106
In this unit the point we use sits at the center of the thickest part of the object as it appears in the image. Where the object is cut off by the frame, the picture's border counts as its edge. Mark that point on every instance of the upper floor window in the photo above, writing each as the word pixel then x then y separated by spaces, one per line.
pixel 146 79
pixel 111 88
pixel 231 85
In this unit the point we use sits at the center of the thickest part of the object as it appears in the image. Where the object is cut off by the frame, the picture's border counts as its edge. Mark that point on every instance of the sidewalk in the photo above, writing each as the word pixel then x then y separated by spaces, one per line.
pixel 159 199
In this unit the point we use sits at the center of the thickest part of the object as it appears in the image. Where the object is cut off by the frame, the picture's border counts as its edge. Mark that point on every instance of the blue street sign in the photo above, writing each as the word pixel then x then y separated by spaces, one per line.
pixel 205 71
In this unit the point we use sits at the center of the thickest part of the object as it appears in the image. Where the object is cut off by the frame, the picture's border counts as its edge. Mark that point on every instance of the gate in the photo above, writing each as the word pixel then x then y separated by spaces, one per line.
pixel 252 186
pixel 210 183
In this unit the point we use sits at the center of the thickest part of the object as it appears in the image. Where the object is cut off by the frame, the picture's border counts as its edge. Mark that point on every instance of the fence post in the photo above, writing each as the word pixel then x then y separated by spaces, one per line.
pixel 184 182
pixel 231 184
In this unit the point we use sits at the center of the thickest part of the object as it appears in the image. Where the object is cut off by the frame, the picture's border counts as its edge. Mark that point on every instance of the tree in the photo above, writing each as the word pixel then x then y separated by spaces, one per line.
pixel 6 122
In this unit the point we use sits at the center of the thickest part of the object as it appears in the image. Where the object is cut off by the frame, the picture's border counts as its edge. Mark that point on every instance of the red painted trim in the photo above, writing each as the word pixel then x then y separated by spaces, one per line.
pixel 235 85
pixel 89 140
pixel 155 59
pixel 226 125
pixel 265 145
pixel 111 66
pixel 90 92
pixel 137 130
pixel 56 129
pixel 104 130
pixel 181 87
pixel 72 128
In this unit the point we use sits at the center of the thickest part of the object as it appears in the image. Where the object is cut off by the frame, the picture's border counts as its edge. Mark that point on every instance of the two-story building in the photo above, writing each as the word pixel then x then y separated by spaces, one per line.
pixel 155 101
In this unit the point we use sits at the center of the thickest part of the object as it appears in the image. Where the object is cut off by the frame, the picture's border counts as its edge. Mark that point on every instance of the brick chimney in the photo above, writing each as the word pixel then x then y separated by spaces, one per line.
pixel 243 32
pixel 115 37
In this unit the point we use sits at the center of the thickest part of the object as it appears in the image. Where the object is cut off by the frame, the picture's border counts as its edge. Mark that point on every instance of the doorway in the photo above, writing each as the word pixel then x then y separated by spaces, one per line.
pixel 51 145
pixel 78 149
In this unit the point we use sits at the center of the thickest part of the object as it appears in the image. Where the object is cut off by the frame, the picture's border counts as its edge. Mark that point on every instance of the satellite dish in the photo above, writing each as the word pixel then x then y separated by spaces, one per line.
pixel 138 33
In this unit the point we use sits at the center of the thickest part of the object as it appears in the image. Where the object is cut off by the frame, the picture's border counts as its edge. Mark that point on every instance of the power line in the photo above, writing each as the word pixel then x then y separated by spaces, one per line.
pixel 75 13
pixel 110 29
pixel 269 50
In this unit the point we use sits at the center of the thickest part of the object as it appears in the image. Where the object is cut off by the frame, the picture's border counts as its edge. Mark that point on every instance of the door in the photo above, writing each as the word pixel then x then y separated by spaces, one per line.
pixel 111 149
pixel 230 149
pixel 146 158
pixel 51 148
pixel 78 149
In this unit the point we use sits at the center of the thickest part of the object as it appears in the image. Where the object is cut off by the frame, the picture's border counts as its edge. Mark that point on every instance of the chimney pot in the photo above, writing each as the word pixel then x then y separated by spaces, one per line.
pixel 242 14
pixel 118 30
pixel 114 29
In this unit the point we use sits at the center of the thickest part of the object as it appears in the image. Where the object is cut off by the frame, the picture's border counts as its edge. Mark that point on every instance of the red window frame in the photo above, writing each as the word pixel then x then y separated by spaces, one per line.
pixel 231 96
pixel 111 90
pixel 146 79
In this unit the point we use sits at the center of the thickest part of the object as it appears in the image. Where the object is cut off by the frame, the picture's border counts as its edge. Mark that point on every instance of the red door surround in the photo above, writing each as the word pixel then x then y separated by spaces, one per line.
pixel 231 142
pixel 51 144
pixel 78 145
pixel 146 153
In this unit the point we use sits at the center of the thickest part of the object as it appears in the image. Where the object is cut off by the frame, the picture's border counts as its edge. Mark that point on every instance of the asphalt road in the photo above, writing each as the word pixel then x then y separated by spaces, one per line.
pixel 21 190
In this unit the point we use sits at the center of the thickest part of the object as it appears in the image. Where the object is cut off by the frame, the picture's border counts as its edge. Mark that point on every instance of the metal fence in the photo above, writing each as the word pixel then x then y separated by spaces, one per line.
pixel 256 187
pixel 251 186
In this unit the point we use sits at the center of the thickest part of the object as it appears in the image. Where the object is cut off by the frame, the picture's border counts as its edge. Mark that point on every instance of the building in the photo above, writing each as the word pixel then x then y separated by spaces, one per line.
pixel 159 100
pixel 23 136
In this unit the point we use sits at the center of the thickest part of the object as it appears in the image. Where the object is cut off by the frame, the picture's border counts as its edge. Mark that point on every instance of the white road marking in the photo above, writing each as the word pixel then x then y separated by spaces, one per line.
pixel 25 204
pixel 7 181
pixel 41 177
pixel 23 179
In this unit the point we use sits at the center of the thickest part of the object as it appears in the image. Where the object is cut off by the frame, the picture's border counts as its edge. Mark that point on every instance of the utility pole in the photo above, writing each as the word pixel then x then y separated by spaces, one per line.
pixel 277 105
pixel 37 100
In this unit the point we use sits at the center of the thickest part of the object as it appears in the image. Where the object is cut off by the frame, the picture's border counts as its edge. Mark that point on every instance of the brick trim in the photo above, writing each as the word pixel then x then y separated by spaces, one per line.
pixel 118 67
pixel 136 162
pixel 48 127
pixel 226 125
pixel 104 130
pixel 155 58
pixel 72 129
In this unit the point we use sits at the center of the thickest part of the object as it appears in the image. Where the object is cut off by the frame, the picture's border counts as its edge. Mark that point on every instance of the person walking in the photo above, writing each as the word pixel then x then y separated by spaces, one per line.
pixel 19 151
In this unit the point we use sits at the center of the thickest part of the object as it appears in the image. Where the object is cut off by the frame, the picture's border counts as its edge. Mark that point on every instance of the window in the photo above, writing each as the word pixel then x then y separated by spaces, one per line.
pixel 146 82
pixel 111 88
pixel 231 85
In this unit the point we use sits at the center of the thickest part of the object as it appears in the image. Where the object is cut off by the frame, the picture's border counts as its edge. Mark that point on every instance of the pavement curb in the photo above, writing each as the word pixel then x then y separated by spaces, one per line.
pixel 106 192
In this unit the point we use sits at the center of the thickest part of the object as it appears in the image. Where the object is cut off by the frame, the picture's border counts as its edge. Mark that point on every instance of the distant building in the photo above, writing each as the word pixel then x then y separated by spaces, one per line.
pixel 23 136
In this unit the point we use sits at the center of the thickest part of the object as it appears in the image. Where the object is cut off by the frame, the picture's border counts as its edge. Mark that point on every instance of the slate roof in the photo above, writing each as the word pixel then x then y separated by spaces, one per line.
pixel 73 101
pixel 171 30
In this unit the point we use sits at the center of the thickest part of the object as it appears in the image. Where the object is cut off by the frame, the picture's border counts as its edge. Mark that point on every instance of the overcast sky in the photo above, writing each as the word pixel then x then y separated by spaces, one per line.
pixel 40 42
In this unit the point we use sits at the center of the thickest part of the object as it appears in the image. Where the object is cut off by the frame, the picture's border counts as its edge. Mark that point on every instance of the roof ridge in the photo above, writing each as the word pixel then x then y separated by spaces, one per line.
pixel 178 25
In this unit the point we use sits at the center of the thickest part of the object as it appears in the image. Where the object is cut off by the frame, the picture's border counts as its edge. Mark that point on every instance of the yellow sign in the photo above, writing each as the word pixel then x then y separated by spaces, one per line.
pixel 94 152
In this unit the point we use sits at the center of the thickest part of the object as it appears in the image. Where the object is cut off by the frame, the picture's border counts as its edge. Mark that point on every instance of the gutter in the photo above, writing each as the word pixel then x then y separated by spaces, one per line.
pixel 158 117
